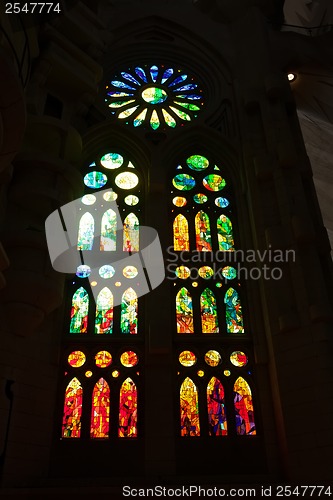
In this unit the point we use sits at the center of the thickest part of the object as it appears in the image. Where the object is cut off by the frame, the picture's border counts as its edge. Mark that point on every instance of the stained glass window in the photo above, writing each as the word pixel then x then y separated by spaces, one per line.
pixel 128 410
pixel 202 232
pixel 108 230
pixel 209 320
pixel 154 95
pixel 224 231
pixel 85 237
pixel 131 233
pixel 189 409
pixel 95 180
pixel 71 424
pixel 129 312
pixel 180 234
pixel 100 411
pixel 76 359
pixel 104 311
pixel 184 311
pixel 233 312
pixel 217 420
pixel 79 312
pixel 245 423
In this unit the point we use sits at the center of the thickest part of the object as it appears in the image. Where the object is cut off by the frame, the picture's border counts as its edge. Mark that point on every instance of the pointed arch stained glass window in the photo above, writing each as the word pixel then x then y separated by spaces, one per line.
pixel 71 425
pixel 202 232
pixel 224 232
pixel 217 420
pixel 180 234
pixel 100 411
pixel 85 237
pixel 79 311
pixel 245 424
pixel 131 233
pixel 189 409
pixel 108 230
pixel 233 312
pixel 129 312
pixel 154 95
pixel 209 319
pixel 128 410
pixel 184 311
pixel 104 311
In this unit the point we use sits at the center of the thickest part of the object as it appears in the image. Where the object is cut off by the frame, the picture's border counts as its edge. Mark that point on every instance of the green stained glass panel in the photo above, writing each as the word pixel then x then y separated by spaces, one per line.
pixel 169 120
pixel 183 182
pixel 85 239
pixel 233 312
pixel 188 105
pixel 197 162
pixel 108 231
pixel 181 114
pixel 79 311
pixel 214 182
pixel 229 272
pixel 140 118
pixel 95 180
pixel 131 200
pixel 200 198
pixel 104 311
pixel 206 272
pixel 154 95
pixel 112 160
pixel 209 320
pixel 154 120
pixel 129 312
pixel 225 234
pixel 184 311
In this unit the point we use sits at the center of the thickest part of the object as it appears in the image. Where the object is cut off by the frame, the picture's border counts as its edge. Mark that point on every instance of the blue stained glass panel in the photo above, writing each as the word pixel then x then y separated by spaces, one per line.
pixel 179 79
pixel 129 77
pixel 121 85
pixel 190 86
pixel 189 96
pixel 154 73
pixel 167 73
pixel 141 73
pixel 95 180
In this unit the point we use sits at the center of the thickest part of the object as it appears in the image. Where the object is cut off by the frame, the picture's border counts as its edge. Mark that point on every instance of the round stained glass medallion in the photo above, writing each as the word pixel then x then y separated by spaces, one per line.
pixel 88 199
pixel 219 285
pixel 95 180
pixel 115 373
pixel 179 201
pixel 130 272
pixel 131 200
pixel 126 180
pixel 227 373
pixel 76 359
pixel 182 272
pixel 83 271
pixel 206 272
pixel 229 272
pixel 213 358
pixel 197 162
pixel 136 94
pixel 200 198
pixel 112 160
pixel 221 202
pixel 200 373
pixel 129 359
pixel 187 358
pixel 238 358
pixel 110 196
pixel 183 182
pixel 106 271
pixel 154 95
pixel 214 182
pixel 103 359
pixel 88 374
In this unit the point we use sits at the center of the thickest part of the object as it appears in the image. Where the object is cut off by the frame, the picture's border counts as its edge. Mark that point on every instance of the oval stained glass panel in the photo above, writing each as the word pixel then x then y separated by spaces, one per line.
pixel 197 162
pixel 131 200
pixel 182 272
pixel 200 198
pixel 127 180
pixel 103 359
pixel 112 161
pixel 110 196
pixel 221 202
pixel 88 199
pixel 229 272
pixel 213 358
pixel 205 272
pixel 238 358
pixel 179 201
pixel 187 358
pixel 95 180
pixel 106 271
pixel 214 182
pixel 129 359
pixel 76 359
pixel 83 271
pixel 183 182
pixel 130 272
pixel 154 95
